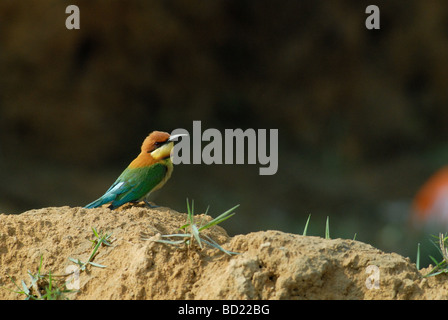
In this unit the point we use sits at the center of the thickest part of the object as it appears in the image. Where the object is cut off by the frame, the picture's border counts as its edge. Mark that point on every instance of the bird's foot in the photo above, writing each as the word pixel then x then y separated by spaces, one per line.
pixel 150 205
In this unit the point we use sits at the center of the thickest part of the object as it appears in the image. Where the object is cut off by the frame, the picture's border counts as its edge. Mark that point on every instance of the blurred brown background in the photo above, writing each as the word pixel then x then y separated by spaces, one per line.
pixel 362 114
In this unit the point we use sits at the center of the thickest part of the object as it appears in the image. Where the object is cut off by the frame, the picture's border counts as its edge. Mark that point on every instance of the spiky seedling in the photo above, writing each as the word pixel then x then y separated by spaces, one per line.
pixel 97 242
pixel 441 245
pixel 193 231
pixel 417 261
pixel 305 229
pixel 327 228
pixel 42 286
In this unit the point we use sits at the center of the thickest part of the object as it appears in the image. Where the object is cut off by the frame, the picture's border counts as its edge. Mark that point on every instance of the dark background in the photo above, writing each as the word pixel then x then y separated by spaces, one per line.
pixel 362 114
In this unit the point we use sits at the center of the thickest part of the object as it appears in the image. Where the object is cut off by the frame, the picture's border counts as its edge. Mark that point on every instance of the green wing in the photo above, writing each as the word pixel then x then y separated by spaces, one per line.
pixel 134 184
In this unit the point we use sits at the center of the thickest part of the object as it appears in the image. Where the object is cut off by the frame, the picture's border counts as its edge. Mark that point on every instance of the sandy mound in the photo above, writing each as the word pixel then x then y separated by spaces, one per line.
pixel 271 264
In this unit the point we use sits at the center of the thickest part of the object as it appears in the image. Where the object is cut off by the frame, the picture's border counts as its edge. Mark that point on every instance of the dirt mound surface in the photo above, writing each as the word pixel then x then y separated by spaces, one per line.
pixel 270 264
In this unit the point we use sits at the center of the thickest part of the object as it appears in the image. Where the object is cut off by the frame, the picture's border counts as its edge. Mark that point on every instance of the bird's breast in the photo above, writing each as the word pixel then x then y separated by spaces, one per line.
pixel 169 165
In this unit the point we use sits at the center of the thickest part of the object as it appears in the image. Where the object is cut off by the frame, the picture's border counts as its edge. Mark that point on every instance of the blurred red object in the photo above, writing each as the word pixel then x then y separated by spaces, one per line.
pixel 430 205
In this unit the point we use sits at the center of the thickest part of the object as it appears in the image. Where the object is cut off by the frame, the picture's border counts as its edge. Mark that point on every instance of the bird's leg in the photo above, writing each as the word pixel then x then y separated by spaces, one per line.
pixel 150 205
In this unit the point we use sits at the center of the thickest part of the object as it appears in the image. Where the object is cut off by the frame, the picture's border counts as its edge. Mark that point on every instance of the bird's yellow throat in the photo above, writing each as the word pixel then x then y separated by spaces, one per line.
pixel 163 152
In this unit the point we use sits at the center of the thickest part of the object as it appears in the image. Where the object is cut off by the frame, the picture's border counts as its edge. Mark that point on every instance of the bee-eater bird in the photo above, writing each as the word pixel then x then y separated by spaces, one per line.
pixel 148 172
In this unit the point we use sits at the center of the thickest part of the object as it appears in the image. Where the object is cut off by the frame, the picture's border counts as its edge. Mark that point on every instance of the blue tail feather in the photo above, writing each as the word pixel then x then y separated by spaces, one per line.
pixel 97 203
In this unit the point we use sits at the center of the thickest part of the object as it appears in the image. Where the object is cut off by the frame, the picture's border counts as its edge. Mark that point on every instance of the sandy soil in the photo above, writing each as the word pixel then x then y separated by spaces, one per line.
pixel 270 264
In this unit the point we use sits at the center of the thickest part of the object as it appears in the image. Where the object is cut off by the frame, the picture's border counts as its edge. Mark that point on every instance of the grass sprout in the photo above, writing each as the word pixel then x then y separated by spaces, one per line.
pixel 42 286
pixel 327 228
pixel 417 262
pixel 305 229
pixel 99 240
pixel 440 243
pixel 193 230
pixel 54 292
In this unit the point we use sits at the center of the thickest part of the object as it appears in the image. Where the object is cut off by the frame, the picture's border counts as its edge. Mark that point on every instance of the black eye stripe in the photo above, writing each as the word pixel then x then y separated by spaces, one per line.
pixel 159 143
pixel 156 144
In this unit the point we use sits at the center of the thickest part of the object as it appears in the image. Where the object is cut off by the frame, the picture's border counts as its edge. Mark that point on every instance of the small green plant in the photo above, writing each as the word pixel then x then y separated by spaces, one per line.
pixel 306 225
pixel 42 286
pixel 327 228
pixel 417 260
pixel 193 231
pixel 96 243
pixel 440 243
pixel 24 290
pixel 54 292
